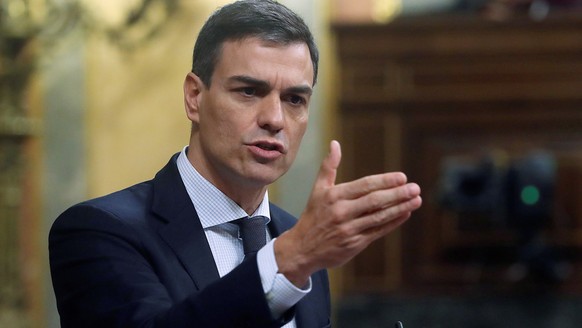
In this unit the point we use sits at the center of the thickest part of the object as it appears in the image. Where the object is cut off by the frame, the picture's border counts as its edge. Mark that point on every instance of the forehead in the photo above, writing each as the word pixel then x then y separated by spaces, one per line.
pixel 265 60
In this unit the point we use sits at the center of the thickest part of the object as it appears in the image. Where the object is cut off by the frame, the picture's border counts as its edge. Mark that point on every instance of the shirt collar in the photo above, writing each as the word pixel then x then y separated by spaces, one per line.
pixel 212 205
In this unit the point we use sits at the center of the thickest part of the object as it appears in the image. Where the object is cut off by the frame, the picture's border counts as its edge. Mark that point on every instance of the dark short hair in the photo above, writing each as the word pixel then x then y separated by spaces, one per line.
pixel 264 19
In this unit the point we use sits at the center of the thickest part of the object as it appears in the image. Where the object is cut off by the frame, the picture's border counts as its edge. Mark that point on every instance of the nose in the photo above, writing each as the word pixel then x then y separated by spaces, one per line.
pixel 271 115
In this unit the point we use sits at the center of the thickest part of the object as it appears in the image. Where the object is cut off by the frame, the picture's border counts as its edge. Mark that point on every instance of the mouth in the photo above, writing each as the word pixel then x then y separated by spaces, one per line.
pixel 267 146
pixel 270 146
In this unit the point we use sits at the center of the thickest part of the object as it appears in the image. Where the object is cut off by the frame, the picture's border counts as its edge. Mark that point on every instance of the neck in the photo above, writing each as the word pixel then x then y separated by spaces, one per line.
pixel 246 194
pixel 248 200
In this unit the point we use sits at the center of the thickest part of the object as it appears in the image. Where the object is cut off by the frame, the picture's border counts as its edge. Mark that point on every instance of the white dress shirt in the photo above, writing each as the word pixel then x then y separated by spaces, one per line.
pixel 216 211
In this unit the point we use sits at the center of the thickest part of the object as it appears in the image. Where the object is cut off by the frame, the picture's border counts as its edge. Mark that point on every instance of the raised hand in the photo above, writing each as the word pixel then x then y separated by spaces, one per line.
pixel 341 220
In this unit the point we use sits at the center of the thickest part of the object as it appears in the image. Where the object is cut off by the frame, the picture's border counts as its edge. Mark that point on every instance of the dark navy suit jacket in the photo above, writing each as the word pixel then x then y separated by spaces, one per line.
pixel 139 258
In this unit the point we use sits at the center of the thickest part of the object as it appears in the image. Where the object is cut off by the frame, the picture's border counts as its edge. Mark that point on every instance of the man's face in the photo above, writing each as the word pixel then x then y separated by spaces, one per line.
pixel 248 125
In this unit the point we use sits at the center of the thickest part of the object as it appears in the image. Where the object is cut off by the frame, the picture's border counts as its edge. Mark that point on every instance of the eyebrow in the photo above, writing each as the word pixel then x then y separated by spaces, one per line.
pixel 300 89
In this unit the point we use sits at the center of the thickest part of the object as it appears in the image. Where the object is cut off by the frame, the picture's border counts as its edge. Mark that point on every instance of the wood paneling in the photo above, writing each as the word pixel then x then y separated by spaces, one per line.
pixel 422 92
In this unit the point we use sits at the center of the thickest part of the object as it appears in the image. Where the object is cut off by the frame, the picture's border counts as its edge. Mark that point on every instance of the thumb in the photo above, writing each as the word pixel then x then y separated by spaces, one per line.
pixel 328 170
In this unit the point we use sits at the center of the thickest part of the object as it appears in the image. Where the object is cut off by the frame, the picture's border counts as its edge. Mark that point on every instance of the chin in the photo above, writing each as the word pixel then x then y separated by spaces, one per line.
pixel 266 176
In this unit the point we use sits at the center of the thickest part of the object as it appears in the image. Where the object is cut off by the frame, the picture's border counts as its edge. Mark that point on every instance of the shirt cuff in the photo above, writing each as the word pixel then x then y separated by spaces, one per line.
pixel 281 294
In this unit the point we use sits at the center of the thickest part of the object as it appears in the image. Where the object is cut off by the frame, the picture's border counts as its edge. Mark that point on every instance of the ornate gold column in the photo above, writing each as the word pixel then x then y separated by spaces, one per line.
pixel 17 128
pixel 29 30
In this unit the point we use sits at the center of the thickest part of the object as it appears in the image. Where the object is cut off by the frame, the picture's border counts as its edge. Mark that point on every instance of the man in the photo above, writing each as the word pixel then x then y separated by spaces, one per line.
pixel 167 253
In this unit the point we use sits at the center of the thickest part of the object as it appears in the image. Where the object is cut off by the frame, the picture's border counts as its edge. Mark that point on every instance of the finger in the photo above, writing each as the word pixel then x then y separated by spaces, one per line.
pixel 328 170
pixel 380 199
pixel 384 216
pixel 381 231
pixel 363 186
pixel 364 238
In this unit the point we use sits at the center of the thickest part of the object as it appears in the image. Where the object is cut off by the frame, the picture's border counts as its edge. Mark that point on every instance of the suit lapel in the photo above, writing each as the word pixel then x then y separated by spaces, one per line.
pixel 304 316
pixel 281 221
pixel 182 230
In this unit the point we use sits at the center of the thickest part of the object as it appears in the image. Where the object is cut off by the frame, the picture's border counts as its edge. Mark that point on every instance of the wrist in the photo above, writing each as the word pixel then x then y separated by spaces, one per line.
pixel 290 262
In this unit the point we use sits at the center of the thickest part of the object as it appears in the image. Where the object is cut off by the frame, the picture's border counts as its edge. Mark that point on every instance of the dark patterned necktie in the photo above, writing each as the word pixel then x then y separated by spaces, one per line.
pixel 252 233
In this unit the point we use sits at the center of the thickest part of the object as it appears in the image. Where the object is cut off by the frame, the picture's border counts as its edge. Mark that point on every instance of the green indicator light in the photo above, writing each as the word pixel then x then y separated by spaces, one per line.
pixel 530 195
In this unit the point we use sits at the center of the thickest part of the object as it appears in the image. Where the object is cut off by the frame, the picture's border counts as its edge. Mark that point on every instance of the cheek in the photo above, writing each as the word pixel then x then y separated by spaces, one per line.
pixel 226 133
pixel 216 131
pixel 300 129
pixel 223 133
pixel 217 121
pixel 297 136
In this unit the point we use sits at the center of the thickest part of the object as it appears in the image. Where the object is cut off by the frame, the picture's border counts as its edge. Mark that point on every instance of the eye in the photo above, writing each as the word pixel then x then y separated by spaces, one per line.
pixel 296 100
pixel 248 91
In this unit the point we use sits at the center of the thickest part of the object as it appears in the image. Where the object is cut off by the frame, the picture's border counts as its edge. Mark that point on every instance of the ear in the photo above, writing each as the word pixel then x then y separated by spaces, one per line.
pixel 193 87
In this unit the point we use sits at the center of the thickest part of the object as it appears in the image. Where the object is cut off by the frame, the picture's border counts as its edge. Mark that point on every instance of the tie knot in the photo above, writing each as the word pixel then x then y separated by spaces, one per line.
pixel 253 233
